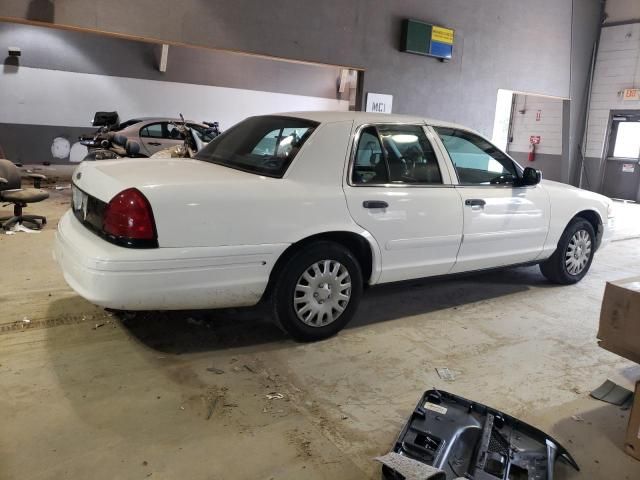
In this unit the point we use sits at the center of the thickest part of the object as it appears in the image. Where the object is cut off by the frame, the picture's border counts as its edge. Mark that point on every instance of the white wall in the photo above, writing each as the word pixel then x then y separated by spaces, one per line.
pixel 500 137
pixel 617 68
pixel 52 97
pixel 548 127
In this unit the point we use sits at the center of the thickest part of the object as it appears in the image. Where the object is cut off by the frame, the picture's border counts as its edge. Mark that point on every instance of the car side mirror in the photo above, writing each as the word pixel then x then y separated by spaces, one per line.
pixel 531 176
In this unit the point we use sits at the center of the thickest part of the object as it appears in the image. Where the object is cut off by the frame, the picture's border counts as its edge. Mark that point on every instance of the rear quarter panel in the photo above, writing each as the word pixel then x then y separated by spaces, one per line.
pixel 251 209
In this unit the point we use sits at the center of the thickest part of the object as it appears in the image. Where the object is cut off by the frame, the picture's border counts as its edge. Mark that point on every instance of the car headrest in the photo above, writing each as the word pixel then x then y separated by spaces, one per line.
pixel 132 148
pixel 427 173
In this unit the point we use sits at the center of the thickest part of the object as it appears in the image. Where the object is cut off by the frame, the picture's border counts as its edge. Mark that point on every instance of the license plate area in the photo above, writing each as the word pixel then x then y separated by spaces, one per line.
pixel 80 203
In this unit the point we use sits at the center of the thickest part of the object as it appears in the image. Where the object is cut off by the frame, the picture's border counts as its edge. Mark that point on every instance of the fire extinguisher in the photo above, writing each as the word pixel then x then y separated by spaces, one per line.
pixel 532 152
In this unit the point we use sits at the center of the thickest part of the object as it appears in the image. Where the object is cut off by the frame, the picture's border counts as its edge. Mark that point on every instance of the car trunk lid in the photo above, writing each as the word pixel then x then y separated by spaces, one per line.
pixel 104 179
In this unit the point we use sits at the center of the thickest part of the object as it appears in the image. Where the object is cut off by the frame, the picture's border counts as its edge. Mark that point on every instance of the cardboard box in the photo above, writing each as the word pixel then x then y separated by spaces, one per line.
pixel 632 440
pixel 619 330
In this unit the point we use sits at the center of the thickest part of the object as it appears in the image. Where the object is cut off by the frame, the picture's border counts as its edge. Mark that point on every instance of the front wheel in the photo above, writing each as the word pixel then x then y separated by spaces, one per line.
pixel 572 259
pixel 318 291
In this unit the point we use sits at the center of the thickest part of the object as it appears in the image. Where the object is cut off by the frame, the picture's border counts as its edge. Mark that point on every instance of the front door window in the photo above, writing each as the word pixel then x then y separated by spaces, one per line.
pixel 477 162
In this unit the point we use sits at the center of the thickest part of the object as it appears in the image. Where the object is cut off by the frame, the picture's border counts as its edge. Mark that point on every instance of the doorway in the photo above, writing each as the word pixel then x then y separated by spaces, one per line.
pixel 621 179
pixel 529 128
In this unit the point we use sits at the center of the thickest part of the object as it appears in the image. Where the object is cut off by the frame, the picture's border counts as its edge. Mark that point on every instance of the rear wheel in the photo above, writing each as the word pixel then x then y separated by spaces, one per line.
pixel 572 259
pixel 318 291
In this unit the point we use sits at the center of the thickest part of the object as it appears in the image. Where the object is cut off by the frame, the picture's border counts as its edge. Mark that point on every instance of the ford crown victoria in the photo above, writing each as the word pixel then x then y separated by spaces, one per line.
pixel 304 210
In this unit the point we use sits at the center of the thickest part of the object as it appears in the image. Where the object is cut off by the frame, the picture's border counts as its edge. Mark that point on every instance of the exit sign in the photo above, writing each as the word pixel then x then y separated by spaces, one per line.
pixel 631 94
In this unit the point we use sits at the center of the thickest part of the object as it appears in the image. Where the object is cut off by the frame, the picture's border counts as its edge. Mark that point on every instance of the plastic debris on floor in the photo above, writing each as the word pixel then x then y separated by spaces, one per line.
pixel 445 374
pixel 20 228
pixel 613 393
pixel 460 438
pixel 409 468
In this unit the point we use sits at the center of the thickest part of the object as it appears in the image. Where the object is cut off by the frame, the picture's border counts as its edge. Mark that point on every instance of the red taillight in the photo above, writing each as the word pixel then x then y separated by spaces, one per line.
pixel 128 217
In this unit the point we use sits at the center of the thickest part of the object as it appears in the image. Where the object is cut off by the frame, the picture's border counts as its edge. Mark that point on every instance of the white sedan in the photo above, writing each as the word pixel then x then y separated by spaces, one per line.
pixel 303 210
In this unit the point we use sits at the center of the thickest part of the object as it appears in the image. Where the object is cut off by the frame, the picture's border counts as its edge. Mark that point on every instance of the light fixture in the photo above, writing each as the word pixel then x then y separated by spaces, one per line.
pixel 404 138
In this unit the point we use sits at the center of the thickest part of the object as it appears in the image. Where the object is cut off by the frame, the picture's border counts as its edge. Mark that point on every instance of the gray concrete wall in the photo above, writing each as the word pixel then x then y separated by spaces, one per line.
pixel 592 174
pixel 83 52
pixel 551 165
pixel 47 49
pixel 31 144
pixel 585 24
pixel 512 44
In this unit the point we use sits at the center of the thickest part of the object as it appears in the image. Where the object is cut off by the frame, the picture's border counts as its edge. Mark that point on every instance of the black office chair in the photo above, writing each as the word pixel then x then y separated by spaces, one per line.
pixel 11 192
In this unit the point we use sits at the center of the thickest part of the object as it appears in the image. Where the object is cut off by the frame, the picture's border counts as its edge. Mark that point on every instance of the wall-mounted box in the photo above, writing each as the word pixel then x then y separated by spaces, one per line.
pixel 425 39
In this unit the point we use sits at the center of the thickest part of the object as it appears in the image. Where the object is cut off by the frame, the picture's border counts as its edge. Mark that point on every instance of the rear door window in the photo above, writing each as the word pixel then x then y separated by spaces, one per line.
pixel 409 154
pixel 369 166
pixel 153 130
pixel 398 154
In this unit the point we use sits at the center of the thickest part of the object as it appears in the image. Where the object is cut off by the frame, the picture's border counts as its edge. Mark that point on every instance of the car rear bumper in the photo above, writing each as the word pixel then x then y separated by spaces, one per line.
pixel 161 278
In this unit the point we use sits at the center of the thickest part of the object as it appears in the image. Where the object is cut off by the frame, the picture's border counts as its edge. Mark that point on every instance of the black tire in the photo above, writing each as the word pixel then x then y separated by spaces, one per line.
pixel 285 288
pixel 555 267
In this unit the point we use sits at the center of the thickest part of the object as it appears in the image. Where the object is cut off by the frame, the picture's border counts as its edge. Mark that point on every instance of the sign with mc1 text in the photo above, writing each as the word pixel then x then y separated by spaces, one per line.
pixel 379 102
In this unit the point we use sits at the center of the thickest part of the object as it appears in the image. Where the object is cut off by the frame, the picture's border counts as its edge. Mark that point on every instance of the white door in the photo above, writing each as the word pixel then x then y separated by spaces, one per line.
pixel 399 191
pixel 504 223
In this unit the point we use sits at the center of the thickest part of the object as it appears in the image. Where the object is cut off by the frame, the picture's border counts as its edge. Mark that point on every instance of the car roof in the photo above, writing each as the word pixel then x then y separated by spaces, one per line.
pixel 367 117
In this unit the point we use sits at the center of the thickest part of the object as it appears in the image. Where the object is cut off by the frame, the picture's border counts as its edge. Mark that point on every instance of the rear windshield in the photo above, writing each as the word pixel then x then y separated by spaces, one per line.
pixel 264 145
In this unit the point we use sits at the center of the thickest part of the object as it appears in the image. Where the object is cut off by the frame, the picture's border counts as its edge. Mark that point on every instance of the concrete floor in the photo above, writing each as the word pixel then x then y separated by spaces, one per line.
pixel 184 395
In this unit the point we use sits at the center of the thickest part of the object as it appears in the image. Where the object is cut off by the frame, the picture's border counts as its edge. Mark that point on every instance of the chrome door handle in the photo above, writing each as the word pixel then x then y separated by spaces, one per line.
pixel 375 204
pixel 475 202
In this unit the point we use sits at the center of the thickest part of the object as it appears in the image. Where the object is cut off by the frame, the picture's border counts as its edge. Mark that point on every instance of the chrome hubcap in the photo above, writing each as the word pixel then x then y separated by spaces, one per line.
pixel 322 293
pixel 578 252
